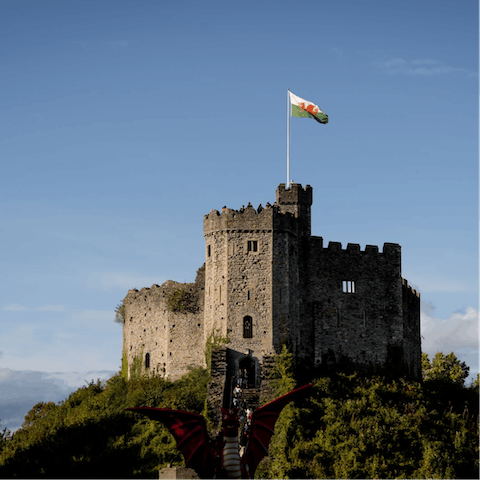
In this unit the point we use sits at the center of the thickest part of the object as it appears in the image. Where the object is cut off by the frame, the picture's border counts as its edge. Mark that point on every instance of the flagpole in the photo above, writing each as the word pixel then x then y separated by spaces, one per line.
pixel 287 186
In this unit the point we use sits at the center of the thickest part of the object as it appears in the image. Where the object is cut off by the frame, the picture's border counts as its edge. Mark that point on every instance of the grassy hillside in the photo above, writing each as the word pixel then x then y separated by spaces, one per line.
pixel 352 426
pixel 90 435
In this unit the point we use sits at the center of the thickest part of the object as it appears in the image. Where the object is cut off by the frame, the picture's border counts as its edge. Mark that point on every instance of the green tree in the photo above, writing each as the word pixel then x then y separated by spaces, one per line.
pixel 446 368
pixel 475 383
pixel 120 313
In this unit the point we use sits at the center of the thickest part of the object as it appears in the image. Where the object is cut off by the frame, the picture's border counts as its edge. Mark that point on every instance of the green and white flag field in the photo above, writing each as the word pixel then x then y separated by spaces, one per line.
pixel 302 108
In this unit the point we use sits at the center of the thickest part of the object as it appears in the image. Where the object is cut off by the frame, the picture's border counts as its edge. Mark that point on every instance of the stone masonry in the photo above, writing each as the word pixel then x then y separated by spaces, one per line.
pixel 266 282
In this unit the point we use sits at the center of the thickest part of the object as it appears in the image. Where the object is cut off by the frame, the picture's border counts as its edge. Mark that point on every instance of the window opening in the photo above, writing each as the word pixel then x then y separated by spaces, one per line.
pixel 147 360
pixel 349 286
pixel 208 251
pixel 252 245
pixel 247 326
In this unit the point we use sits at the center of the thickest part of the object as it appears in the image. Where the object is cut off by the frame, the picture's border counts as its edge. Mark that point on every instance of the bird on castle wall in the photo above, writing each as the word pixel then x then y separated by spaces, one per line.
pixel 223 459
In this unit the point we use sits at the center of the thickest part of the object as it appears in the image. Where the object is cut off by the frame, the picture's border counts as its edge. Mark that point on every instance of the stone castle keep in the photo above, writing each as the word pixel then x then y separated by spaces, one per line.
pixel 267 281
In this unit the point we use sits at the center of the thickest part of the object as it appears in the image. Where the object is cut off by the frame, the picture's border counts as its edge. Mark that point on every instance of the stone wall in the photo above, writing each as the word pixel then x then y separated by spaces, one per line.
pixel 355 301
pixel 173 340
pixel 216 388
pixel 177 472
pixel 411 330
pixel 325 303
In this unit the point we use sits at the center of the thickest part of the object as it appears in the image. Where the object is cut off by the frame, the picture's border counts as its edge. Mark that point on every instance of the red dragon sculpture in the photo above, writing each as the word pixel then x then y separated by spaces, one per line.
pixel 223 459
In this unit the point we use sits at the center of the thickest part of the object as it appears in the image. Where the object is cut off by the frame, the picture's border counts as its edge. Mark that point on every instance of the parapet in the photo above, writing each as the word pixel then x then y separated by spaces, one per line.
pixel 248 218
pixel 388 248
pixel 407 287
pixel 295 195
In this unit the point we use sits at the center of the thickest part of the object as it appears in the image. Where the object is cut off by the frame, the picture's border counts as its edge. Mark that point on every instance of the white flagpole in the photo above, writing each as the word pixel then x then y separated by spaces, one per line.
pixel 287 186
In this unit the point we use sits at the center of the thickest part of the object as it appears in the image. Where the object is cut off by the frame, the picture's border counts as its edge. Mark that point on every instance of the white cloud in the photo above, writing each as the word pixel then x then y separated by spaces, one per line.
pixel 458 334
pixel 458 331
pixel 421 66
pixel 443 284
pixel 20 390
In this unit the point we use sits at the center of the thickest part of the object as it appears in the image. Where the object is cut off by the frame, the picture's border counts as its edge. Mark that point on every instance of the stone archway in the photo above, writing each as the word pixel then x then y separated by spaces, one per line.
pixel 247 365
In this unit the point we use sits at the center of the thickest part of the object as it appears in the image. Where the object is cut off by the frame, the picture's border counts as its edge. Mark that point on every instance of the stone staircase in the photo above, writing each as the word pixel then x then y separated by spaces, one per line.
pixel 251 396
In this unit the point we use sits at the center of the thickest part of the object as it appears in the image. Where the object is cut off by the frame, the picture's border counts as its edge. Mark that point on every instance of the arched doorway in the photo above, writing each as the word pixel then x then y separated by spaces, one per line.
pixel 247 371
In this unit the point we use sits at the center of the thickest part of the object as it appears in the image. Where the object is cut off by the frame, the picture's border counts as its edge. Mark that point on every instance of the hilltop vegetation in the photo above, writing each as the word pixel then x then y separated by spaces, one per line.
pixel 352 426
pixel 90 435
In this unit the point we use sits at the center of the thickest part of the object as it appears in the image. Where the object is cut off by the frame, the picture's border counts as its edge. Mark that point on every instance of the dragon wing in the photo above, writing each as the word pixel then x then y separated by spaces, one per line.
pixel 262 429
pixel 190 433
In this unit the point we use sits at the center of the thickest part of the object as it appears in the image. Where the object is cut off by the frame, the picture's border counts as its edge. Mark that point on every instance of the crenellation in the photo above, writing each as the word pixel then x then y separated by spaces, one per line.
pixel 266 282
pixel 353 248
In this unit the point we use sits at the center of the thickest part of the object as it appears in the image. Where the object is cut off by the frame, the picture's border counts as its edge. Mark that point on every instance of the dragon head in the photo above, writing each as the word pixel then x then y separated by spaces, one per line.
pixel 230 423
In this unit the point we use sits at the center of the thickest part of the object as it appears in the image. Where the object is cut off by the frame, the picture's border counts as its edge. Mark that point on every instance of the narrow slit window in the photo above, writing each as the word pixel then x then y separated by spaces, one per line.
pixel 209 251
pixel 147 360
pixel 252 246
pixel 247 327
pixel 349 286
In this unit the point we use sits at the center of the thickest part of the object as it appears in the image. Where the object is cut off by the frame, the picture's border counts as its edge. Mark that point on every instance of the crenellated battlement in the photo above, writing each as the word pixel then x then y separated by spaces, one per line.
pixel 248 218
pixel 410 289
pixel 267 281
pixel 354 248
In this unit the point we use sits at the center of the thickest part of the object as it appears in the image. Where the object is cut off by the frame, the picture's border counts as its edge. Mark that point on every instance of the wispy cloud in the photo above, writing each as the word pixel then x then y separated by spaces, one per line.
pixel 420 66
pixel 458 334
pixel 22 389
pixel 16 307
pixel 119 43
pixel 443 284
pixel 337 52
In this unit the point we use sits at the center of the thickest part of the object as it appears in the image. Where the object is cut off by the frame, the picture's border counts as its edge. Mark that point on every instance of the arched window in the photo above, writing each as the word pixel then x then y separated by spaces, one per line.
pixel 247 327
pixel 147 360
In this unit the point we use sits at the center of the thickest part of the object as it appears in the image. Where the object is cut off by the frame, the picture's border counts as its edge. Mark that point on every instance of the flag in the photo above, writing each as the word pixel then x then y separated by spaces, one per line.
pixel 301 108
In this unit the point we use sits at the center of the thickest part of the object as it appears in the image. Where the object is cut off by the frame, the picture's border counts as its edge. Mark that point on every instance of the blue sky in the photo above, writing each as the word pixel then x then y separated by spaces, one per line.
pixel 122 123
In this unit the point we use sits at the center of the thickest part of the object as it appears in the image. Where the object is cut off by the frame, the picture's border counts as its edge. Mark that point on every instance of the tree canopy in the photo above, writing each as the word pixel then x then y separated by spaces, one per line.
pixel 352 426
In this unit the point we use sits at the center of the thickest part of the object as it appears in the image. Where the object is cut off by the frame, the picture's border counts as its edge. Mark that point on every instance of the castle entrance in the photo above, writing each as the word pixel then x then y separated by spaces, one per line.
pixel 246 371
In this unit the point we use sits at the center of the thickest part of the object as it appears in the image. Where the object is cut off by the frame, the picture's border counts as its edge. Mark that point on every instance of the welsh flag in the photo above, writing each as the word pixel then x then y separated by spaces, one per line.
pixel 301 108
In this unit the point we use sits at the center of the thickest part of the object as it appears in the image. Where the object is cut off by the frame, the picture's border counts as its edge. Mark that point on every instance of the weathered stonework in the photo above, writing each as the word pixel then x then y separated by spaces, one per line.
pixel 173 340
pixel 266 281
pixel 177 472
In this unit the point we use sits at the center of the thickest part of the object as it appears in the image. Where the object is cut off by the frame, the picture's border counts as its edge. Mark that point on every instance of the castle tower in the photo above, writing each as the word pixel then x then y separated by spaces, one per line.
pixel 252 273
pixel 267 281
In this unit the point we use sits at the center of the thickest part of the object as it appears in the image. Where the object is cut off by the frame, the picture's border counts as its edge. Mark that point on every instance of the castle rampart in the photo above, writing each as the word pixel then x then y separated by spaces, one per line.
pixel 268 282
pixel 164 331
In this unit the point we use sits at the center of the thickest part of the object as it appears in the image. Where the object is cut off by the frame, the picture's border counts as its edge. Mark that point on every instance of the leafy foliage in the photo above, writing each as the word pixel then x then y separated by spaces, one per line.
pixel 214 341
pixel 89 434
pixel 446 368
pixel 352 426
pixel 182 300
pixel 120 313
pixel 373 427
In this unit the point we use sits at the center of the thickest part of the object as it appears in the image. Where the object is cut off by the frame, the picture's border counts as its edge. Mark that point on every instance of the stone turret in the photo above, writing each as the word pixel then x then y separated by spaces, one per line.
pixel 268 282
